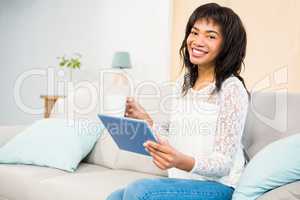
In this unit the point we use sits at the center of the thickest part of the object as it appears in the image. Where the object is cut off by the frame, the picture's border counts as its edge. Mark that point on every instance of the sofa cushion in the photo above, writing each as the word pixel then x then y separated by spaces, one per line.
pixel 271 116
pixel 87 186
pixel 89 182
pixel 137 162
pixel 289 191
pixel 54 143
pixel 105 152
pixel 275 165
pixel 17 181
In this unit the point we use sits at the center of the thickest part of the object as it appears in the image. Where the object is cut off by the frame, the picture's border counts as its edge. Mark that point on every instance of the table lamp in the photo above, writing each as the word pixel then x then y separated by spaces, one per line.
pixel 121 60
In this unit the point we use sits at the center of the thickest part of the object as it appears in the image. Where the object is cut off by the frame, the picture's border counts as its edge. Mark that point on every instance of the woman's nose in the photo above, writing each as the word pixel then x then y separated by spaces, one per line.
pixel 199 41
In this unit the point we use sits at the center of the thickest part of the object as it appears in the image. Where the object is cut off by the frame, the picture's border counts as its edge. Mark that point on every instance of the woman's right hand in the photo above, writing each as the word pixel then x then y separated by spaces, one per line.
pixel 135 110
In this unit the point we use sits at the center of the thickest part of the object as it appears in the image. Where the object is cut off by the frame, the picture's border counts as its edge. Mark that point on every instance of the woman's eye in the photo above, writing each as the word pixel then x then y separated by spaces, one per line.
pixel 193 33
pixel 212 37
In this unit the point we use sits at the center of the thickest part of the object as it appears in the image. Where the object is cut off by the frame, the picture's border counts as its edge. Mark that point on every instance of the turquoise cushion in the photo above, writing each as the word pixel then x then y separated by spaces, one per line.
pixel 275 165
pixel 57 143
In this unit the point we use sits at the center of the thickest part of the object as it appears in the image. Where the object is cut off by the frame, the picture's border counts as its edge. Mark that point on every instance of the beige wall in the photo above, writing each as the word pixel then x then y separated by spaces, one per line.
pixel 273 52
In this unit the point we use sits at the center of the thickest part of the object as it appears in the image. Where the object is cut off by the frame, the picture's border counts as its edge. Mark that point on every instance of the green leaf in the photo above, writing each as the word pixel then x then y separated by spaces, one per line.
pixel 72 62
pixel 69 64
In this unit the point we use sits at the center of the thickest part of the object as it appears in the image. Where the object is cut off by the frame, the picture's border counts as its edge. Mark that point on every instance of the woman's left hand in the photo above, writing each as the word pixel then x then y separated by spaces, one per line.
pixel 165 156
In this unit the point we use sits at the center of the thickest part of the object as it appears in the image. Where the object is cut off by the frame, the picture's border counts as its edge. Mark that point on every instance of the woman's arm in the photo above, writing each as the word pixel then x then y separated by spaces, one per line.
pixel 229 130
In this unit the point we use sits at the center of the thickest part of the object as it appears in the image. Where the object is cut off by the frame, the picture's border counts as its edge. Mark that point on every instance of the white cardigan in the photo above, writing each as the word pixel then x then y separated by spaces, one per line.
pixel 209 128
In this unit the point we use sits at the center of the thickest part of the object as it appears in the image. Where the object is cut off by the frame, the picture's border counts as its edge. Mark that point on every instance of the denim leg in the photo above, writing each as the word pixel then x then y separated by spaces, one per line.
pixel 116 195
pixel 176 189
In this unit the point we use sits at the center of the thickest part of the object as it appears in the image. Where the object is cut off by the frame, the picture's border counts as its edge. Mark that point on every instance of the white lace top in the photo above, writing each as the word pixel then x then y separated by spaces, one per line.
pixel 209 128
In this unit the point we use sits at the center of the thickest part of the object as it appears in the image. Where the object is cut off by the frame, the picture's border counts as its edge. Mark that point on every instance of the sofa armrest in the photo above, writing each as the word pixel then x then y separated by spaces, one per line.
pixel 8 132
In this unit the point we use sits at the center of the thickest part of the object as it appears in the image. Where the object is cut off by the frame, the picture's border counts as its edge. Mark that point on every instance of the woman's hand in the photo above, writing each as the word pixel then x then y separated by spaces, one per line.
pixel 166 157
pixel 135 110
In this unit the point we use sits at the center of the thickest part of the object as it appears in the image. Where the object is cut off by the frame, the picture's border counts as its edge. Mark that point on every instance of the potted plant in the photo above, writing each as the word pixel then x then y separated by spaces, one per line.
pixel 73 62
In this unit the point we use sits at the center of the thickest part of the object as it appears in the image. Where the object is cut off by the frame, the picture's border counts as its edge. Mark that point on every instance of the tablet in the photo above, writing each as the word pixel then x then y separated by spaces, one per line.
pixel 129 134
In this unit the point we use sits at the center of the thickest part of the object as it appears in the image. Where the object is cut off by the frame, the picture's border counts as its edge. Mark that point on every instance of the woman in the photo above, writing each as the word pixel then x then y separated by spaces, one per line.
pixel 203 153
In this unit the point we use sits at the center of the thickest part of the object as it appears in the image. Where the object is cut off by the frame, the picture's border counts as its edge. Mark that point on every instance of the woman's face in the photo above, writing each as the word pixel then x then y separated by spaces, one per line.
pixel 204 42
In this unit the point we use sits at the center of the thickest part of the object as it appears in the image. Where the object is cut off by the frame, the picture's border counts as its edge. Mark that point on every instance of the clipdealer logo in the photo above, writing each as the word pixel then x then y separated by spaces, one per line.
pixel 277 83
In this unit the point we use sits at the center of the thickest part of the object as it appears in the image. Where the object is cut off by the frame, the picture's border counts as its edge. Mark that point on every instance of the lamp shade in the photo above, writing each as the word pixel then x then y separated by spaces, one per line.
pixel 121 60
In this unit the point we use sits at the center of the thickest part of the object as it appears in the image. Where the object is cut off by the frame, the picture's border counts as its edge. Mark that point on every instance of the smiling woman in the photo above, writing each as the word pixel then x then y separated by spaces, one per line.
pixel 203 153
pixel 213 37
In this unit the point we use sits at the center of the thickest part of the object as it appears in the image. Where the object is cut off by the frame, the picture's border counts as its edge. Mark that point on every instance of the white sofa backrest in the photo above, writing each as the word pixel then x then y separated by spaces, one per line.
pixel 8 132
pixel 271 116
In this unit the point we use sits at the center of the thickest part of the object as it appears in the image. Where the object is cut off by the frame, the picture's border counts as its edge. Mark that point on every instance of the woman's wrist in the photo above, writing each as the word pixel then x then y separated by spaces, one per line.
pixel 186 163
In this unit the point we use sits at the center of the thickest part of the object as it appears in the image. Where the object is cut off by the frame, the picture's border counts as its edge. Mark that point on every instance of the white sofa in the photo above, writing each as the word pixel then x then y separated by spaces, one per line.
pixel 101 173
pixel 106 168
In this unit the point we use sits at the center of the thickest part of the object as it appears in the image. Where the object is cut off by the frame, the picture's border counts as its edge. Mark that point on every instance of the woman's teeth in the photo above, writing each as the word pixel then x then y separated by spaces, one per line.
pixel 198 52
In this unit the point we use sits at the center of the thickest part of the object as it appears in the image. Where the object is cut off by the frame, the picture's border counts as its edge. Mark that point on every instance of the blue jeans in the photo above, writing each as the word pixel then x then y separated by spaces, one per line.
pixel 173 189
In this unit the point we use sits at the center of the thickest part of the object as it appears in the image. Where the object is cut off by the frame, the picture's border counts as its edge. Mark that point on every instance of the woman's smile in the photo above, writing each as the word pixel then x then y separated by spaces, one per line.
pixel 198 52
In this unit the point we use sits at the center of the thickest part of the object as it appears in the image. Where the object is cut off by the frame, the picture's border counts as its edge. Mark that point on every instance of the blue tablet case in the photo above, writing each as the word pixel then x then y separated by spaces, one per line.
pixel 129 134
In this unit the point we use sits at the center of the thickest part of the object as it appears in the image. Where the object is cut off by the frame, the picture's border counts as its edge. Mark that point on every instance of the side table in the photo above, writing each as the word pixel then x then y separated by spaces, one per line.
pixel 49 101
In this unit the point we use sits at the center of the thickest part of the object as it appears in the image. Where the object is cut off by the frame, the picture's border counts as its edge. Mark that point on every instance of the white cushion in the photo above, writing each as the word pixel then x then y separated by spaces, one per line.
pixel 137 162
pixel 105 152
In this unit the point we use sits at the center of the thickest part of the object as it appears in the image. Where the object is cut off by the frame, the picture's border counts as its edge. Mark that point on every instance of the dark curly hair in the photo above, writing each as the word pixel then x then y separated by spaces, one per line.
pixel 233 49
